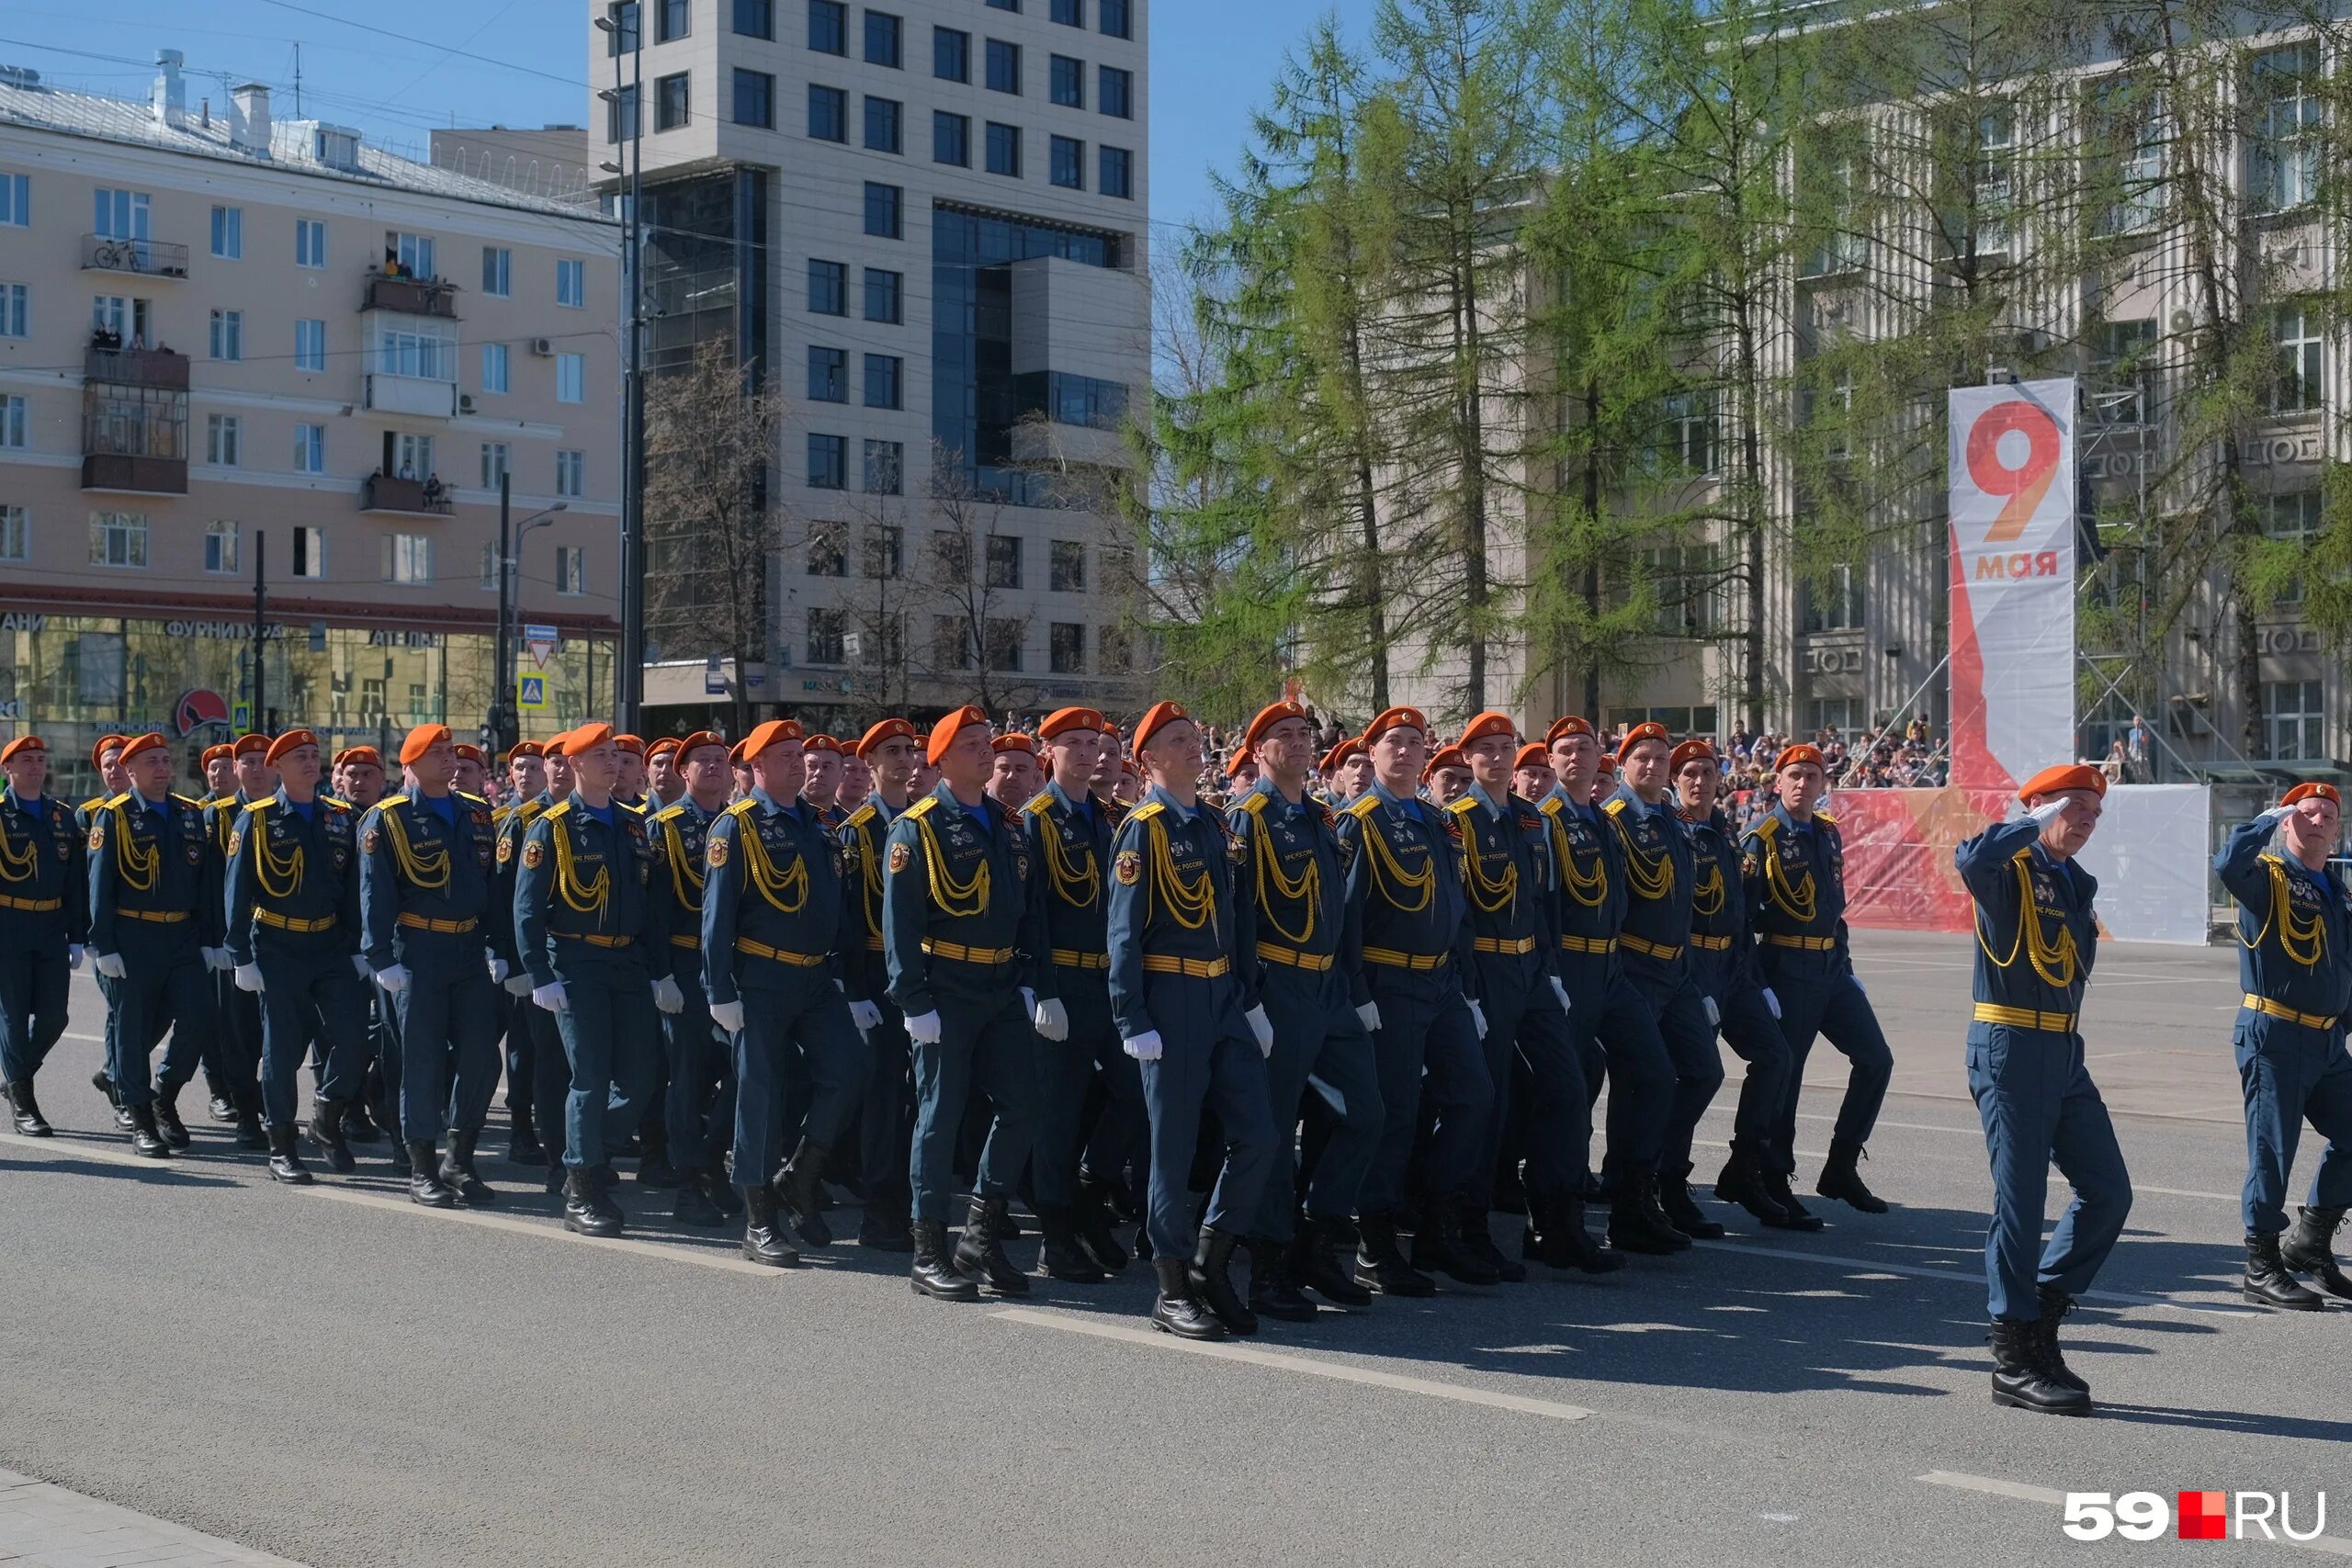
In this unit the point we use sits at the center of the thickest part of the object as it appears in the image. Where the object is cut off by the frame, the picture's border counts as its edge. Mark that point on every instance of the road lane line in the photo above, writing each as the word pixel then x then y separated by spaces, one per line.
pixel 1225 1350
pixel 1994 1487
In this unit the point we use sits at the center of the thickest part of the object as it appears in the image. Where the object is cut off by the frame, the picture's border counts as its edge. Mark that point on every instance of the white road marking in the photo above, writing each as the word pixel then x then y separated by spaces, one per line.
pixel 1992 1486
pixel 1225 1350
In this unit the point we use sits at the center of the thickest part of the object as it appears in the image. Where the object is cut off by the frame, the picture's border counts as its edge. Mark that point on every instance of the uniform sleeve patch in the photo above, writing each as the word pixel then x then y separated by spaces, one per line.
pixel 370 840
pixel 716 852
pixel 1128 867
pixel 97 838
pixel 506 849
pixel 532 853
pixel 899 855
pixel 237 841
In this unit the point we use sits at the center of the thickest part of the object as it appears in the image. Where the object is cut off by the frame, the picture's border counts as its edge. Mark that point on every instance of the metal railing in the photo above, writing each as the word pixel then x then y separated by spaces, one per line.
pixel 148 258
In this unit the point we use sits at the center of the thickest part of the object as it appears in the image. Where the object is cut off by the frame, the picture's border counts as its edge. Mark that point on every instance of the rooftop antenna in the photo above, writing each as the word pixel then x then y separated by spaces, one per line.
pixel 298 78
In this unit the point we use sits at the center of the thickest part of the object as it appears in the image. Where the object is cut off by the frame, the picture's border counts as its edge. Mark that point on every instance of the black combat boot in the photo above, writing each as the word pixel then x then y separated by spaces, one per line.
pixel 1478 1240
pixel 801 1197
pixel 979 1252
pixel 1439 1247
pixel 168 1116
pixel 358 1126
pixel 1380 1266
pixel 1316 1266
pixel 457 1171
pixel 25 1110
pixel 694 1205
pixel 654 1166
pixel 424 1183
pixel 1795 1215
pixel 1062 1256
pixel 1841 1178
pixel 1741 1182
pixel 1681 1210
pixel 523 1146
pixel 1636 1222
pixel 1175 1309
pixel 251 1133
pixel 103 1081
pixel 285 1165
pixel 588 1208
pixel 2056 1304
pixel 1556 1238
pixel 763 1240
pixel 398 1154
pixel 719 1187
pixel 1211 1279
pixel 1093 1221
pixel 1272 1292
pixel 2018 1380
pixel 326 1131
pixel 934 1275
pixel 2268 1283
pixel 221 1106
pixel 2310 1248
pixel 145 1141
pixel 884 1228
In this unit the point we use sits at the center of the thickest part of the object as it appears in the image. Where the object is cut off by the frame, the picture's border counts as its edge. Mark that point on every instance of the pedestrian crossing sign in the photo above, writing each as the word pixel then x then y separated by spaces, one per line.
pixel 531 692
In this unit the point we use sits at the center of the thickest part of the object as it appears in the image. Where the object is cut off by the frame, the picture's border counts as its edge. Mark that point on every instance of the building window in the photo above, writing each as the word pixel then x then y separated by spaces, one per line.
pixel 1687 433
pixel 620 115
pixel 228 340
pixel 951 54
pixel 1004 150
pixel 1004 66
pixel 497 270
pixel 408 558
pixel 1118 173
pixel 882 37
pixel 223 446
pixel 883 216
pixel 1834 603
pixel 951 643
pixel 16 535
pixel 1117 650
pixel 827 287
pixel 671 105
pixel 2301 382
pixel 1994 174
pixel 220 547
pixel 828 113
pixel 571 284
pixel 885 294
pixel 1688 589
pixel 119 214
pixel 118 539
pixel 309 555
pixel 425 355
pixel 2295 518
pixel 1066 81
pixel 1116 95
pixel 2284 149
pixel 951 556
pixel 1070 13
pixel 12 309
pixel 1067 571
pixel 1068 162
pixel 494 463
pixel 571 570
pixel 1004 560
pixel 228 233
pixel 826 641
pixel 1113 19
pixel 827 26
pixel 13 422
pixel 1004 5
pixel 309 242
pixel 884 375
pixel 825 556
pixel 309 448
pixel 885 550
pixel 828 456
pixel 828 375
pixel 673 20
pixel 755 98
pixel 886 463
pixel 1066 642
pixel 408 457
pixel 951 139
pixel 1004 640
pixel 15 201
pixel 882 117
pixel 414 251
pixel 2123 360
pixel 755 18
pixel 571 378
pixel 493 367
pixel 2294 715
pixel 570 465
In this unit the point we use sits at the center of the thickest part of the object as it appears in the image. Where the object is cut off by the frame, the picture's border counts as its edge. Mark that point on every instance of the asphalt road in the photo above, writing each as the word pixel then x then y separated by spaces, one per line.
pixel 338 1377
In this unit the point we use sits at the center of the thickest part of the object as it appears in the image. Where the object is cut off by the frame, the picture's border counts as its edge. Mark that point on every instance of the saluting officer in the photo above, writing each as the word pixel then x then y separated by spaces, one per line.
pixel 427 868
pixel 1172 924
pixel 293 935
pixel 2036 937
pixel 149 924
pixel 44 923
pixel 1299 938
pixel 2295 963
pixel 699 1105
pixel 960 936
pixel 892 751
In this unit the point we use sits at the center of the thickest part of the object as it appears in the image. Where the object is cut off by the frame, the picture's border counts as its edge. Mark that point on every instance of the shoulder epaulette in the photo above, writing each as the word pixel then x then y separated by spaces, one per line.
pixel 477 799
pixel 95 803
pixel 1825 817
pixel 391 800
pixel 667 812
pixel 1615 806
pixel 560 809
pixel 1462 803
pixel 336 802
pixel 1766 826
pixel 922 805
pixel 1362 805
pixel 740 806
pixel 636 806
pixel 1145 812
pixel 1253 803
pixel 262 804
pixel 115 800
pixel 1039 803
pixel 1551 805
pixel 863 815
pixel 199 805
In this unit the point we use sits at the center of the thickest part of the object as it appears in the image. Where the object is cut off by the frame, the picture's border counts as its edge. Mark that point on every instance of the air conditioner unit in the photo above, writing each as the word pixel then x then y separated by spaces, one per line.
pixel 465 403
pixel 543 348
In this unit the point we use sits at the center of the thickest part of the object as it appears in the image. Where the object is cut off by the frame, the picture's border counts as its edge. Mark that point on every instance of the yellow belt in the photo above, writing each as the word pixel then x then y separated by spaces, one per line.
pixel 594 939
pixel 1588 944
pixel 153 917
pixel 37 906
pixel 2026 1018
pixel 958 950
pixel 1071 958
pixel 762 950
pixel 1649 949
pixel 1514 945
pixel 1389 958
pixel 1313 962
pixel 688 942
pixel 2269 1008
pixel 1803 943
pixel 447 928
pixel 290 923
pixel 1711 944
pixel 1198 968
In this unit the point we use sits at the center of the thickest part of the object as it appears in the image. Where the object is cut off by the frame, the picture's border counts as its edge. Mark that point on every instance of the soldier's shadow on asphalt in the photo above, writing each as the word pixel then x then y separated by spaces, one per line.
pixel 162 1173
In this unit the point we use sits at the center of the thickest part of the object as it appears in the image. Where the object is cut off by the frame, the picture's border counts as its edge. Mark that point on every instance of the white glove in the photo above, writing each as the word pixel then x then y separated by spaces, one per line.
pixel 1144 1047
pixel 667 996
pixel 1262 1027
pixel 1369 1016
pixel 1478 1017
pixel 549 997
pixel 866 1015
pixel 498 970
pixel 2275 813
pixel 728 1016
pixel 393 978
pixel 73 956
pixel 248 978
pixel 360 966
pixel 216 958
pixel 110 965
pixel 923 1028
pixel 1714 1013
pixel 1560 990
pixel 518 984
pixel 1051 1018
pixel 1771 1002
pixel 2041 814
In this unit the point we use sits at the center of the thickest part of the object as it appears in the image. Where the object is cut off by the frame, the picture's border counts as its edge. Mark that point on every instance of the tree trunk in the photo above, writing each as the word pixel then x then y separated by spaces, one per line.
pixel 1471 448
pixel 1754 515
pixel 1593 568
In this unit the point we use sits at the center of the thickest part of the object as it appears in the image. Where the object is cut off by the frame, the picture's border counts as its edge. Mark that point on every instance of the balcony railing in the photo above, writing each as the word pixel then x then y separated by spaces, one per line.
pixel 116 471
pixel 388 492
pixel 411 295
pixel 158 368
pixel 148 258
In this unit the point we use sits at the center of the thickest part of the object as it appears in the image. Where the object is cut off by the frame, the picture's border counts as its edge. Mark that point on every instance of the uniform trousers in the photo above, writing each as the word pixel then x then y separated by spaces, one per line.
pixel 1690 1043
pixel 985 1042
pixel 1068 1074
pixel 1525 1025
pixel 1426 1044
pixel 443 1068
pixel 1323 1053
pixel 34 984
pixel 799 1029
pixel 2291 1074
pixel 2038 1106
pixel 608 1032
pixel 1817 1002
pixel 163 987
pixel 1209 1064
pixel 310 991
pixel 698 1101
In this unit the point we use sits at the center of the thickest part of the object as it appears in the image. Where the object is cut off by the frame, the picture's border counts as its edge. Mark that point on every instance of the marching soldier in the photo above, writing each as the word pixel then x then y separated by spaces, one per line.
pixel 774 908
pixel 821 757
pixel 1179 1015
pixel 1014 779
pixel 426 866
pixel 1446 778
pixel 149 925
pixel 1532 775
pixel 234 1071
pixel 2036 937
pixel 1795 868
pixel 218 766
pixel 526 776
pixel 957 920
pixel 472 775
pixel 44 923
pixel 892 750
pixel 293 935
pixel 629 772
pixel 664 783
pixel 2295 963
pixel 1349 767
pixel 700 1100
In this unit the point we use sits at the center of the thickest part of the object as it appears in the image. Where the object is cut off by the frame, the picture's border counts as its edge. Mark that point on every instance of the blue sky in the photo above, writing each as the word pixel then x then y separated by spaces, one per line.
pixel 1211 61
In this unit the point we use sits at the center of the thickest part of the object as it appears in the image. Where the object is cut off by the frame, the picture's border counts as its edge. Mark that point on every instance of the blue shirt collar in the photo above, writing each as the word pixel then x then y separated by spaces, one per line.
pixel 1083 804
pixel 1168 803
pixel 770 805
pixel 1266 787
pixel 35 806
pixel 1489 802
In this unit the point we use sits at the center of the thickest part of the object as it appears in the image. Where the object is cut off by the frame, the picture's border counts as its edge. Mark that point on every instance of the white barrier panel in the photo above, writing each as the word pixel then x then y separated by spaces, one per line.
pixel 2153 856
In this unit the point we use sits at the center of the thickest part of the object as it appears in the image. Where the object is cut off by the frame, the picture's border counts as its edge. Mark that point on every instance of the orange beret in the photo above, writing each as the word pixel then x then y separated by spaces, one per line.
pixel 525 749
pixel 359 757
pixel 1489 723
pixel 667 744
pixel 695 742
pixel 1608 764
pixel 1561 728
pixel 2314 791
pixel 574 742
pixel 821 743
pixel 151 742
pixel 1271 715
pixel 1337 757
pixel 1065 721
pixel 99 749
pixel 1648 730
pixel 735 754
pixel 1156 718
pixel 1532 755
pixel 2063 777
pixel 1242 757
pixel 24 743
pixel 293 740
pixel 950 725
pixel 210 755
pixel 468 752
pixel 1803 751
pixel 1692 751
pixel 1396 718
pixel 1014 741
pixel 775 732
pixel 887 729
pixel 1446 757
pixel 251 742
pixel 629 743
pixel 423 738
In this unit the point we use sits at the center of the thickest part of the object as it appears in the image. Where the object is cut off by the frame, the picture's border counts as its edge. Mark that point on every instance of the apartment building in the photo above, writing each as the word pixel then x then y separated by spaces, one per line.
pixel 238 348
pixel 924 221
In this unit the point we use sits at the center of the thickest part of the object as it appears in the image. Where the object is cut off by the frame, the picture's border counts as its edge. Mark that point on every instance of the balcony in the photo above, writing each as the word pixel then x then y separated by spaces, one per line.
pixel 411 296
pixel 421 396
pixel 388 493
pixel 157 369
pixel 150 476
pixel 147 258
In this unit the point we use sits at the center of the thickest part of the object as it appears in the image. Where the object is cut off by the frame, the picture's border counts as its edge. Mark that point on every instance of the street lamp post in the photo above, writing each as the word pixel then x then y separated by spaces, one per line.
pixel 628 673
pixel 508 719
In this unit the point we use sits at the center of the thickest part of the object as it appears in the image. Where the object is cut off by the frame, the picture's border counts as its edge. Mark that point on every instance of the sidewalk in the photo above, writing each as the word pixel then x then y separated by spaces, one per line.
pixel 47 1526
